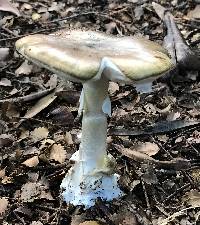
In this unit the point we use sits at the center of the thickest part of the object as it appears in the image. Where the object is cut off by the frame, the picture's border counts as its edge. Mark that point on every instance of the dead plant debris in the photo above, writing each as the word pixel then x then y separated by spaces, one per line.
pixel 154 137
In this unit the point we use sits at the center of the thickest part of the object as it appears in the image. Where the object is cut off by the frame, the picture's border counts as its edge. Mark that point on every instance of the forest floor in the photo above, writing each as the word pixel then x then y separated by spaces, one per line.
pixel 39 126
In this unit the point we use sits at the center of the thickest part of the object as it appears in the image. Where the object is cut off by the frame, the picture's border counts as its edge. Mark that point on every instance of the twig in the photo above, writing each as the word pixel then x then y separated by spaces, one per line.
pixel 9 31
pixel 71 17
pixel 146 196
pixel 29 97
pixel 176 214
pixel 176 164
pixel 176 192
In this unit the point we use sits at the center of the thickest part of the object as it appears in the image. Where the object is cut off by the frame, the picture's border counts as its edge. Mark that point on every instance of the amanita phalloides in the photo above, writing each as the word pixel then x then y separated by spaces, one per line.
pixel 94 59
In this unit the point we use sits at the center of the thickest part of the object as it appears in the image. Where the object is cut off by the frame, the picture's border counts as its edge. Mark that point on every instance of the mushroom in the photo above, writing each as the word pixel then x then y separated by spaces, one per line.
pixel 94 59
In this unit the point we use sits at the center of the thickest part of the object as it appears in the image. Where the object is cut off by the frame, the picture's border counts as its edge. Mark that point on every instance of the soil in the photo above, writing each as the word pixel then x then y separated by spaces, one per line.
pixel 39 126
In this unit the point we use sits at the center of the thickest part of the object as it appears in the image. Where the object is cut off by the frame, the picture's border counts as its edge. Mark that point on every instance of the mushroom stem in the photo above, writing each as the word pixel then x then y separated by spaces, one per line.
pixel 94 124
pixel 92 176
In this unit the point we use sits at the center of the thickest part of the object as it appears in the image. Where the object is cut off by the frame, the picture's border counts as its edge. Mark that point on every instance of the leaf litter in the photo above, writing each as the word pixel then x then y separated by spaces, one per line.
pixel 157 158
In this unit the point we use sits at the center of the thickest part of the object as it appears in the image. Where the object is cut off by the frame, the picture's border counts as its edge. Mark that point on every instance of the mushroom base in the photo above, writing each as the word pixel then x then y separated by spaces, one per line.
pixel 79 189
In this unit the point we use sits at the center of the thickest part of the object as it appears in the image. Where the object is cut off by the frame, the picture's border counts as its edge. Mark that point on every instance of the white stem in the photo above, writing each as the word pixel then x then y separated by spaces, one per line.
pixel 92 176
pixel 94 126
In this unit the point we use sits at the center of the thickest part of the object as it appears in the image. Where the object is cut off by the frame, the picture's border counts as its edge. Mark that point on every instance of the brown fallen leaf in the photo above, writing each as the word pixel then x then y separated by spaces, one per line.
pixel 46 143
pixel 32 162
pixel 12 111
pixel 68 138
pixel 192 198
pixel 6 140
pixel 24 210
pixel 195 173
pixel 195 13
pixel 2 173
pixel 4 53
pixel 3 127
pixel 5 5
pixel 3 205
pixel 5 82
pixel 52 82
pixel 39 133
pixel 28 192
pixel 124 217
pixel 175 215
pixel 40 105
pixel 58 153
pixel 113 88
pixel 90 222
pixel 35 190
pixel 36 223
pixel 148 148
pixel 25 68
pixel 62 115
pixel 70 96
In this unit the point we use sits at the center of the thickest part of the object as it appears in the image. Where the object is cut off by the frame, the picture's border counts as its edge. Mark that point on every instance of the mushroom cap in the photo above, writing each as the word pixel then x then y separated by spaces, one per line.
pixel 77 55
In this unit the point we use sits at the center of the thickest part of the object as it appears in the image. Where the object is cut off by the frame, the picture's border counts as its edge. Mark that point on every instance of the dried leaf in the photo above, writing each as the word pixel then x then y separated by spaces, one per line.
pixel 68 138
pixel 138 12
pixel 148 148
pixel 28 192
pixel 2 173
pixel 70 96
pixel 25 68
pixel 110 27
pixel 173 116
pixel 32 162
pixel 3 205
pixel 24 134
pixel 6 140
pixel 12 111
pixel 175 215
pixel 39 133
pixel 35 190
pixel 58 153
pixel 113 88
pixel 40 105
pixel 192 198
pixel 52 82
pixel 160 10
pixel 24 210
pixel 5 82
pixel 36 223
pixel 35 16
pixel 46 143
pixel 4 53
pixel 195 139
pixel 3 127
pixel 62 115
pixel 196 175
pixel 5 5
pixel 195 13
pixel 91 222
pixel 124 217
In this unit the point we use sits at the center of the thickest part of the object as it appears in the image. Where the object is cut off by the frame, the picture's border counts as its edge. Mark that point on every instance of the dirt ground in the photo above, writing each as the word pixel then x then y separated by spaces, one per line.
pixel 39 126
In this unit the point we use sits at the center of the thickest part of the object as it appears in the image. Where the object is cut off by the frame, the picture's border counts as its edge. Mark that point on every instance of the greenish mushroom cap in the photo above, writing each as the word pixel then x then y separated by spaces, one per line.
pixel 77 55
